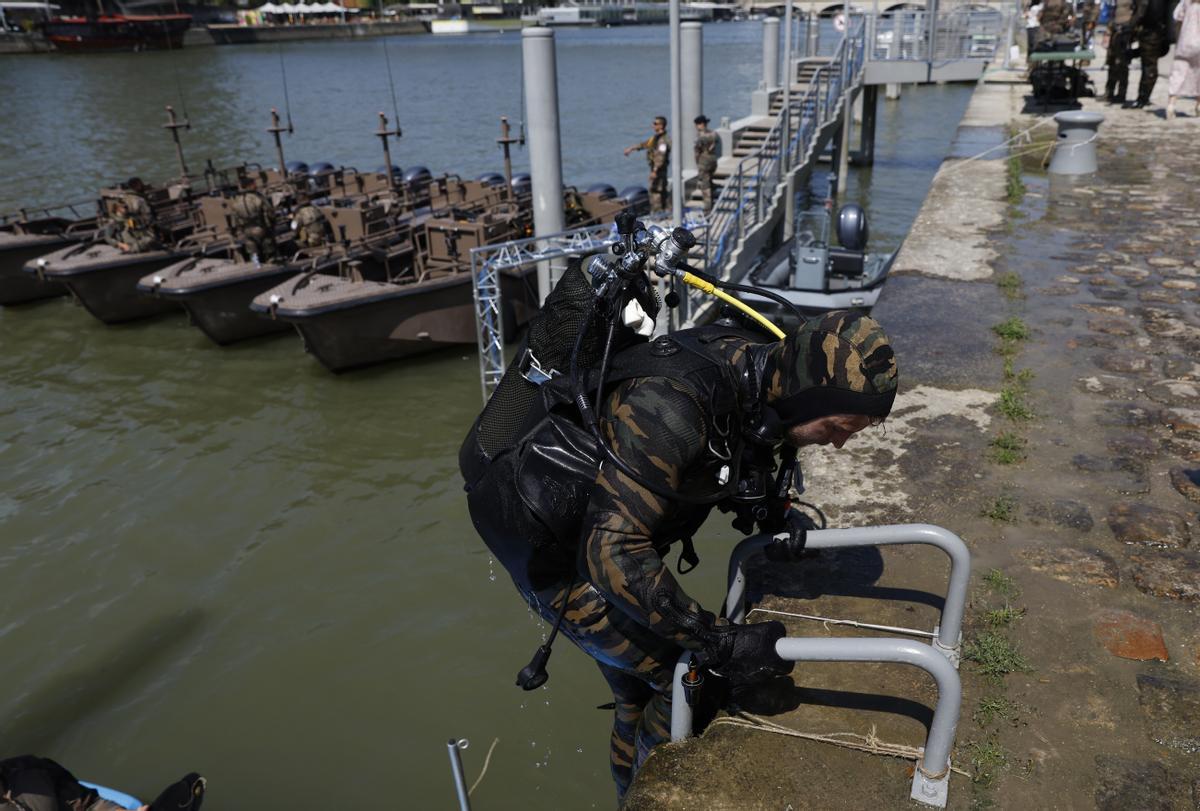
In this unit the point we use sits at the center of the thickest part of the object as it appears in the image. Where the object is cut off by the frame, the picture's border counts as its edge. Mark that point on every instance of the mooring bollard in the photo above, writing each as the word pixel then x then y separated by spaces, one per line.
pixel 1075 152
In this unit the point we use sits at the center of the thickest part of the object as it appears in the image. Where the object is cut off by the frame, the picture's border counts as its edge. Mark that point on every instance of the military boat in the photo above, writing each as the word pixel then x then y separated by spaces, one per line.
pixel 347 322
pixel 26 235
pixel 816 275
pixel 117 32
pixel 103 277
pixel 370 219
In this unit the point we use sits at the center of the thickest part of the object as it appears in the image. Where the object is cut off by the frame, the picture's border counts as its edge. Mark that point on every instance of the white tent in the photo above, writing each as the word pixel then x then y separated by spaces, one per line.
pixel 269 8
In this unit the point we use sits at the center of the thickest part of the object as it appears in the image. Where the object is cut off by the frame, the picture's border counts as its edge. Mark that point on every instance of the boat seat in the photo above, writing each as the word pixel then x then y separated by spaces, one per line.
pixel 846 263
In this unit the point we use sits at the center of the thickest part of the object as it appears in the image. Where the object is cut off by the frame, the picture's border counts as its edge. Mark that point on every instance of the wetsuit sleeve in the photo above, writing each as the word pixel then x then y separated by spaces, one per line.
pixel 657 429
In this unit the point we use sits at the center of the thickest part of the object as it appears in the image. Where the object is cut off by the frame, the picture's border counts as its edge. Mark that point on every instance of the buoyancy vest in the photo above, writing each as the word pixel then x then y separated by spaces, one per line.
pixel 552 467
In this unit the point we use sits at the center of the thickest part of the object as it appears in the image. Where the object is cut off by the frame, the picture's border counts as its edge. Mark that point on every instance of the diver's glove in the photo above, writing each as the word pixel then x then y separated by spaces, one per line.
pixel 746 653
pixel 784 549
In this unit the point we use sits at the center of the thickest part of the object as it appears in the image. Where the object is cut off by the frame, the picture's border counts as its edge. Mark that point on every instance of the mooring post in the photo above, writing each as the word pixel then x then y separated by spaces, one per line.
pixel 770 52
pixel 545 147
pixel 866 146
pixel 691 69
pixel 788 77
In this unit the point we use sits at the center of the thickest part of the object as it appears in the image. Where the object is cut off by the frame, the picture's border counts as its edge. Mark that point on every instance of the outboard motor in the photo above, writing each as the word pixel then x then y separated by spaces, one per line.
pixel 417 176
pixel 852 227
pixel 296 168
pixel 522 184
pixel 381 169
pixel 491 179
pixel 636 197
pixel 605 191
pixel 319 174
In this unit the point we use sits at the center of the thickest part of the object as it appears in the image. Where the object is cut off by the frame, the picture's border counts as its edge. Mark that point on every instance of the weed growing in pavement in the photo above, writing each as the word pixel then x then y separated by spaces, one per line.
pixel 1002 509
pixel 995 655
pixel 1001 617
pixel 994 708
pixel 988 759
pixel 1014 184
pixel 1012 403
pixel 1009 284
pixel 1008 448
pixel 1012 329
pixel 1001 583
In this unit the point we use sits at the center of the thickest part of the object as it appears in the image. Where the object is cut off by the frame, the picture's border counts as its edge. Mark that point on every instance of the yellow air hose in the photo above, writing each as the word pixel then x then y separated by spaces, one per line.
pixel 713 290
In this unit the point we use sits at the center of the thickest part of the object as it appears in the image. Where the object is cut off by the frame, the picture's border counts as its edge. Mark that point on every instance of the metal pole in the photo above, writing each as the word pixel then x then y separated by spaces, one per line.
pixel 276 131
pixel 175 128
pixel 384 133
pixel 676 125
pixel 691 69
pixel 506 141
pixel 545 149
pixel 931 10
pixel 460 782
pixel 770 52
pixel 789 76
pixel 870 100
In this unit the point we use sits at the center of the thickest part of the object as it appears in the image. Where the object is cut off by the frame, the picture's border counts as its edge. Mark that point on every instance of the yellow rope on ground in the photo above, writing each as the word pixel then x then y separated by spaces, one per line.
pixel 864 743
pixel 483 771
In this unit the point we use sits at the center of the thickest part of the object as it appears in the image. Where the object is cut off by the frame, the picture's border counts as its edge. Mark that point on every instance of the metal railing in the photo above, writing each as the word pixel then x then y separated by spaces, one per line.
pixel 487 264
pixel 939 658
pixel 960 33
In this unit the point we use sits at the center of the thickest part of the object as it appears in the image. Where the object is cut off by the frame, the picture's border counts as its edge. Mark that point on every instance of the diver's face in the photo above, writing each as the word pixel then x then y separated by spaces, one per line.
pixel 835 430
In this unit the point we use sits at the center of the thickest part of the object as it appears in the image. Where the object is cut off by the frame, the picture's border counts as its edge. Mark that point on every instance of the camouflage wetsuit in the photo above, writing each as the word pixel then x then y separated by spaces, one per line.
pixel 1120 41
pixel 1150 21
pixel 705 149
pixel 254 224
pixel 625 608
pixel 312 229
pixel 658 155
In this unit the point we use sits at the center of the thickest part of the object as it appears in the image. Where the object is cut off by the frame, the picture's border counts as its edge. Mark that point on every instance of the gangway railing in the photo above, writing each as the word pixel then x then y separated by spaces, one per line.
pixel 940 658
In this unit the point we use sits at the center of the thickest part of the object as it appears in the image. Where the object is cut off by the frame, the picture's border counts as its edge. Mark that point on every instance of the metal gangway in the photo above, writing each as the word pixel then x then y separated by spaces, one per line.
pixel 812 114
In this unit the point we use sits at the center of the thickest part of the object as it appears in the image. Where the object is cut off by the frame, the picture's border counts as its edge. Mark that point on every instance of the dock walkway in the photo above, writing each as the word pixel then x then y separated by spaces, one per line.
pixel 1069 460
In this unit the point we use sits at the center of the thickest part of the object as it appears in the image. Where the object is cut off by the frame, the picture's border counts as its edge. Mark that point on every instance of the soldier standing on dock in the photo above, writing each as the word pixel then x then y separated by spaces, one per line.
pixel 1120 38
pixel 1150 21
pixel 705 148
pixel 253 222
pixel 658 154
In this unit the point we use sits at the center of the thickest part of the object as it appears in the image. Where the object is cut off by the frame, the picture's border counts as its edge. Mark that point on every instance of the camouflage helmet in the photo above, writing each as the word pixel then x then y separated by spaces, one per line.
pixel 836 363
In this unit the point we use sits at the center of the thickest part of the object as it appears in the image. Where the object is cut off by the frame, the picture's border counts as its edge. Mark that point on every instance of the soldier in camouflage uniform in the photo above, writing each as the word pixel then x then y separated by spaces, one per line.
pixel 131 224
pixel 1151 19
pixel 1120 40
pixel 1056 18
pixel 311 227
pixel 253 222
pixel 658 155
pixel 707 144
pixel 833 377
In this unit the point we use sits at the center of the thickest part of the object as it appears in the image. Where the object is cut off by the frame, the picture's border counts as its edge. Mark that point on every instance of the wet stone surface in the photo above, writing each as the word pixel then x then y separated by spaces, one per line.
pixel 1064 513
pixel 1168 574
pixel 1158 297
pixel 1112 326
pixel 1183 421
pixel 1076 566
pixel 1129 636
pixel 1187 482
pixel 1131 415
pixel 1138 445
pixel 1107 385
pixel 1179 367
pixel 1172 707
pixel 1112 295
pixel 1174 392
pixel 1124 362
pixel 1123 784
pixel 1140 524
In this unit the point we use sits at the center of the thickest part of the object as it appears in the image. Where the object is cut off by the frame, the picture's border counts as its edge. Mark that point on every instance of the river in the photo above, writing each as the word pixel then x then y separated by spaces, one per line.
pixel 231 561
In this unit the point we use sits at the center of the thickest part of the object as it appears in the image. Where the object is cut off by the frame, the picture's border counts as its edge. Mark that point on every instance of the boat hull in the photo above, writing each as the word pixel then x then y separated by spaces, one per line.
pixel 118 33
pixel 219 306
pixel 104 280
pixel 377 322
pixel 17 286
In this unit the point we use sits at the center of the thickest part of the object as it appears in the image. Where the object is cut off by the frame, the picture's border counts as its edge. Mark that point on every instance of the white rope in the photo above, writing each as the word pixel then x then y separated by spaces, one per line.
pixel 483 771
pixel 855 623
pixel 1023 134
pixel 869 743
